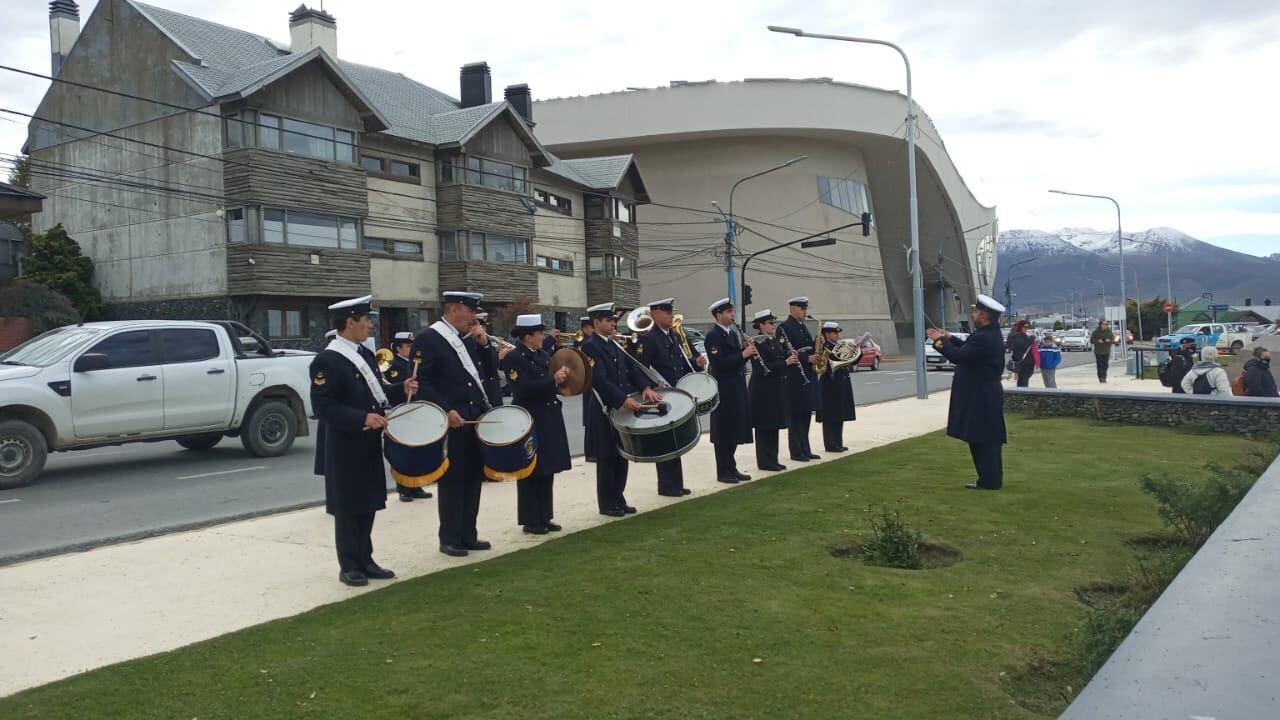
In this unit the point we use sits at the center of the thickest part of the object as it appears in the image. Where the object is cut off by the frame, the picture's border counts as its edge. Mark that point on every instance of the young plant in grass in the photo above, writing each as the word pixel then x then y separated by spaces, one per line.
pixel 894 543
pixel 1194 508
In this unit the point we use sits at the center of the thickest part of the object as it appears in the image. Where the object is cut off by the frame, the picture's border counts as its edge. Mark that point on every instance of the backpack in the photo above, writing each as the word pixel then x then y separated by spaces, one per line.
pixel 1237 385
pixel 1165 372
pixel 1201 385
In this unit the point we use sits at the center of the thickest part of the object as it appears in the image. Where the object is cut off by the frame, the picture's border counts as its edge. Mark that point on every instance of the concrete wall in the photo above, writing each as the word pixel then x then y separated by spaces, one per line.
pixel 1246 416
pixel 154 230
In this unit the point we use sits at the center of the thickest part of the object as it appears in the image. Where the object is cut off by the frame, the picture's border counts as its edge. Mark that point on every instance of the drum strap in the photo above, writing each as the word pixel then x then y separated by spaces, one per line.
pixel 450 336
pixel 347 349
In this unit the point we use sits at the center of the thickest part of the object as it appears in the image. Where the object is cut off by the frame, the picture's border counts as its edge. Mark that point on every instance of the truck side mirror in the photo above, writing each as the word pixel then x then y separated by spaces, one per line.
pixel 92 361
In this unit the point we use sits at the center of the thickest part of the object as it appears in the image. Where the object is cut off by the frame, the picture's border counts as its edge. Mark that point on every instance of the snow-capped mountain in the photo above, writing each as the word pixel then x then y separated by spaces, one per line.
pixel 1075 262
pixel 1274 256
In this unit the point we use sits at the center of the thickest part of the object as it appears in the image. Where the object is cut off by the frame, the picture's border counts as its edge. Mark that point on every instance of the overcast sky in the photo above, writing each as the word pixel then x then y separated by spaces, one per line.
pixel 1163 104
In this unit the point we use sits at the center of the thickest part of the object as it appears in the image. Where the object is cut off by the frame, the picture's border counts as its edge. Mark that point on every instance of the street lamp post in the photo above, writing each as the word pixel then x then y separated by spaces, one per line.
pixel 1168 278
pixel 1124 351
pixel 917 278
pixel 1008 283
pixel 1102 285
pixel 730 234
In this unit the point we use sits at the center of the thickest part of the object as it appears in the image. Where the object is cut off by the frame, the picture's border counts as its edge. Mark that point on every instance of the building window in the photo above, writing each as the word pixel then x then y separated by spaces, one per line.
pixel 551 263
pixel 288 135
pixel 597 208
pixel 553 202
pixel 296 227
pixel 491 247
pixel 235 226
pixel 387 246
pixel 286 322
pixel 472 170
pixel 390 169
pixel 624 212
pixel 370 163
pixel 614 266
pixel 850 196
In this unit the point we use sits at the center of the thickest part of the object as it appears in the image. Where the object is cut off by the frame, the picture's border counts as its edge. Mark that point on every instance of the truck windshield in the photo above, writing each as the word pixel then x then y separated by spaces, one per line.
pixel 1188 329
pixel 50 347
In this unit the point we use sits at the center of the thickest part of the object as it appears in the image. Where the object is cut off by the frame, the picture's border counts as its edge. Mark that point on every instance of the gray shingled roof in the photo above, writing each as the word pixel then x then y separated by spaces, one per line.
pixel 602 172
pixel 564 170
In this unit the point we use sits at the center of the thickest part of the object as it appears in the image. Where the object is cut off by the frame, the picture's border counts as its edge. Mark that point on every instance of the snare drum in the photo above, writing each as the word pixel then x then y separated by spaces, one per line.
pixel 507 443
pixel 658 434
pixel 415 443
pixel 704 389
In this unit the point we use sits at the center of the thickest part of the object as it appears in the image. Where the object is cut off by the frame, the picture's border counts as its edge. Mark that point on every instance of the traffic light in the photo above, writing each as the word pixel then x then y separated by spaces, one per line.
pixel 746 294
pixel 866 224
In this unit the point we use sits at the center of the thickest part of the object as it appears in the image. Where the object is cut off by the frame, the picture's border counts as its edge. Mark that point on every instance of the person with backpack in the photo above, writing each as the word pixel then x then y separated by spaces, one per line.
pixel 1022 362
pixel 1178 365
pixel 1050 359
pixel 1102 339
pixel 1207 377
pixel 1258 380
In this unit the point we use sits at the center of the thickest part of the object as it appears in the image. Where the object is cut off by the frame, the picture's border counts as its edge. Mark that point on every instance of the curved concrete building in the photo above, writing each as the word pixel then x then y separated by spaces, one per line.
pixel 693 141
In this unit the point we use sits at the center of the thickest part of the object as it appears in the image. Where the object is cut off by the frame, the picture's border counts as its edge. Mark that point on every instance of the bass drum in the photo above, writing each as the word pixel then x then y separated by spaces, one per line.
pixel 657 434
pixel 507 443
pixel 415 443
pixel 704 389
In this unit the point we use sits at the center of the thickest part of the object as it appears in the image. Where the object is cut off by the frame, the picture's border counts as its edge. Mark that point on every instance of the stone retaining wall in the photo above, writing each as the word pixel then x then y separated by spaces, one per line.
pixel 1246 416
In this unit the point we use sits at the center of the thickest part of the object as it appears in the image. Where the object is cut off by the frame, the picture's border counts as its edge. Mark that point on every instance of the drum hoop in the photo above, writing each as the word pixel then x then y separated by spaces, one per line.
pixel 693 412
pixel 443 433
pixel 528 415
pixel 662 458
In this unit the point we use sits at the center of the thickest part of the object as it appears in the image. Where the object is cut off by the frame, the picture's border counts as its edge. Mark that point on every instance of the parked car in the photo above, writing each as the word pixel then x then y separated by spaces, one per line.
pixel 870 357
pixel 1219 335
pixel 936 360
pixel 111 383
pixel 1075 339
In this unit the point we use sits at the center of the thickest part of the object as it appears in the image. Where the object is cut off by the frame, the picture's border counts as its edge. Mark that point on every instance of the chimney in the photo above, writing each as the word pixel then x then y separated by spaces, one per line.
pixel 310 28
pixel 476 88
pixel 64 28
pixel 521 98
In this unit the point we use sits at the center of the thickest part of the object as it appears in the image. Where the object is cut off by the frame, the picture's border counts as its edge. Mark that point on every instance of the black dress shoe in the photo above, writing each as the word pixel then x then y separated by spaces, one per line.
pixel 628 510
pixel 799 459
pixel 976 486
pixel 731 479
pixel 614 512
pixel 453 550
pixel 686 491
pixel 773 468
pixel 742 476
pixel 554 527
pixel 671 493
pixel 353 578
pixel 814 457
pixel 477 545
pixel 406 497
pixel 377 572
pixel 419 494
pixel 536 529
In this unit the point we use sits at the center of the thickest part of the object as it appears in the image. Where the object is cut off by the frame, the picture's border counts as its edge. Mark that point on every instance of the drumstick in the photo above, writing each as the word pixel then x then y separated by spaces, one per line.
pixel 416 362
pixel 481 422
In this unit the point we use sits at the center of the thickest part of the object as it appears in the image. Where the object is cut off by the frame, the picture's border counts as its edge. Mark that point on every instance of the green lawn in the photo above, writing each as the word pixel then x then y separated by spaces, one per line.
pixel 665 614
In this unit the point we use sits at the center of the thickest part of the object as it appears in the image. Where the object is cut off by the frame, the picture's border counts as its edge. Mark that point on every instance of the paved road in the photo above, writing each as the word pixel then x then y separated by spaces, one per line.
pixel 106 495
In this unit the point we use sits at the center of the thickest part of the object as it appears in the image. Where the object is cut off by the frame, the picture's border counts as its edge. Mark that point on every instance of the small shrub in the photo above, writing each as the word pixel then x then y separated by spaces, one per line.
pixel 1152 574
pixel 1195 509
pixel 894 543
pixel 1099 635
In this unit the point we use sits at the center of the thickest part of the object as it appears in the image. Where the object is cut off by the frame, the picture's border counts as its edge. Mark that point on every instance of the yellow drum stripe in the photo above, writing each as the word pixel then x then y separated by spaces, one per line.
pixel 420 480
pixel 509 476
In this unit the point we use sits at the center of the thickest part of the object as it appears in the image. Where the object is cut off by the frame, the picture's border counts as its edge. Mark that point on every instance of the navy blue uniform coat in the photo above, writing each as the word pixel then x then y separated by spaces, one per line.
pixel 768 390
pixel 349 457
pixel 731 420
pixel 801 398
pixel 613 378
pixel 534 388
pixel 976 414
pixel 835 393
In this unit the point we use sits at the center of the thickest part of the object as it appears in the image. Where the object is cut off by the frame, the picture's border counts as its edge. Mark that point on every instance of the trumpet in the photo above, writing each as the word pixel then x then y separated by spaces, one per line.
pixel 384 356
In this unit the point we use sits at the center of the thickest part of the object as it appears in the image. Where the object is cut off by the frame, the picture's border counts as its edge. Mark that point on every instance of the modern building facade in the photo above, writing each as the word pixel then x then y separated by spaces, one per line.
pixel 696 140
pixel 225 175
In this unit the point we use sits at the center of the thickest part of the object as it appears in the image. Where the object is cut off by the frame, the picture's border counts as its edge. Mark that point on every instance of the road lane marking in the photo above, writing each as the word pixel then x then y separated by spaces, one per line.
pixel 10 500
pixel 220 472
pixel 901 372
pixel 873 382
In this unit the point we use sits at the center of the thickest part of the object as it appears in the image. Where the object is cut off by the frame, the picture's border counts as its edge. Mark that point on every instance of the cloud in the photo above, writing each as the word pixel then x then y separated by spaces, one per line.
pixel 1008 121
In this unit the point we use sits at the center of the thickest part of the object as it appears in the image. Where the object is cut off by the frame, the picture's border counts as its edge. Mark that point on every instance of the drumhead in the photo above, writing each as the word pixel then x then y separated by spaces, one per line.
pixel 700 385
pixel 416 423
pixel 681 404
pixel 504 425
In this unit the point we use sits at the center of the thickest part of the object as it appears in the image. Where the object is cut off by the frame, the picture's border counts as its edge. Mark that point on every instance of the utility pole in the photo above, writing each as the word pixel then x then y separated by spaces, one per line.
pixel 942 294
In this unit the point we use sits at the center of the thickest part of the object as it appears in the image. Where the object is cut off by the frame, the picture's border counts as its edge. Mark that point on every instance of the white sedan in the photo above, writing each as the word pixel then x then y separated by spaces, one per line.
pixel 1075 340
pixel 934 359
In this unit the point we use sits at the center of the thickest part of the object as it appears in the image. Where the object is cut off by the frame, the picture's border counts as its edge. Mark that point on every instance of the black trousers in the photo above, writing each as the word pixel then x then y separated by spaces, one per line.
pixel 1103 361
pixel 833 435
pixel 726 465
pixel 990 467
pixel 353 537
pixel 766 447
pixel 670 476
pixel 533 500
pixel 798 434
pixel 611 481
pixel 1025 371
pixel 459 496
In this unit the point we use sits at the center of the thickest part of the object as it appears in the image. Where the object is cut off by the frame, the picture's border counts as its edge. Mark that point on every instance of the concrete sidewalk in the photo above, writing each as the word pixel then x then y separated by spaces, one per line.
pixel 67 614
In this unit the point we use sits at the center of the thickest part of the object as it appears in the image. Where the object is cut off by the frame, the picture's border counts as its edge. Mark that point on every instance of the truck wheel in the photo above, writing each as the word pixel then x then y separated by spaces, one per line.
pixel 875 363
pixel 200 442
pixel 22 454
pixel 1237 346
pixel 270 429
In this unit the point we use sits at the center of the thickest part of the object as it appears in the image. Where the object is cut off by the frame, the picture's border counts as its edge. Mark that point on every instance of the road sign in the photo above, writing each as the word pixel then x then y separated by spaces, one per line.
pixel 1169 307
pixel 1219 308
pixel 1114 313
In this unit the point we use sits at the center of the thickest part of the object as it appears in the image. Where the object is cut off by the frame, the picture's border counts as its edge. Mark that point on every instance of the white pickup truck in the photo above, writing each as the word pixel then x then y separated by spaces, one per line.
pixel 110 383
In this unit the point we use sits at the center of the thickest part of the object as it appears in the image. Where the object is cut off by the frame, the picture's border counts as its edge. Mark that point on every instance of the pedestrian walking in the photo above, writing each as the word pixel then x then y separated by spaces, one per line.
pixel 1103 339
pixel 1050 359
pixel 1021 362
pixel 1258 380
pixel 1207 377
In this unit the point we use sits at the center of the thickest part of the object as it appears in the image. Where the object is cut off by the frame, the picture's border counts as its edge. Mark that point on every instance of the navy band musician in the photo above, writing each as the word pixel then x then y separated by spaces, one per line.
pixel 835 395
pixel 802 381
pixel 767 388
pixel 731 420
pixel 664 351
